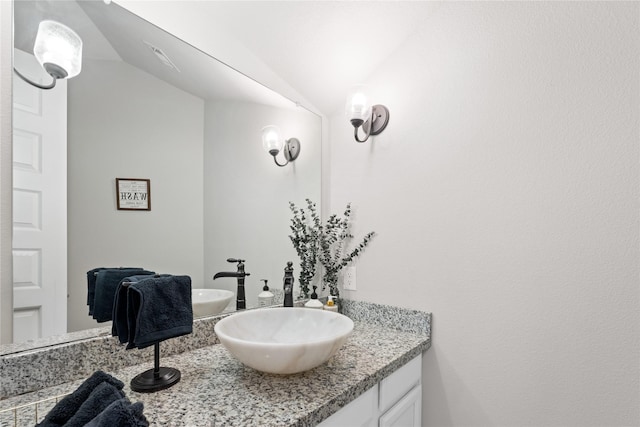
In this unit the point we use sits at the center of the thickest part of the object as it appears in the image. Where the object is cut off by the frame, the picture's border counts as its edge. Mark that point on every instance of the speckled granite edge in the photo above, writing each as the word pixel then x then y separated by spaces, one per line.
pixel 402 319
pixel 43 367
pixel 39 368
pixel 7 349
pixel 216 386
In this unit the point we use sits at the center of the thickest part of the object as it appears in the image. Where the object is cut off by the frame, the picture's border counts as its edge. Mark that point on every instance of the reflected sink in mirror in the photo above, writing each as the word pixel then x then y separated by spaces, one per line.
pixel 208 302
pixel 284 340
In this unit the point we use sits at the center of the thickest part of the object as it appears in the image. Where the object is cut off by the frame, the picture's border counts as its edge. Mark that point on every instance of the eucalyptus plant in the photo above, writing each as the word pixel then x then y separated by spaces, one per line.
pixel 334 236
pixel 324 243
pixel 305 233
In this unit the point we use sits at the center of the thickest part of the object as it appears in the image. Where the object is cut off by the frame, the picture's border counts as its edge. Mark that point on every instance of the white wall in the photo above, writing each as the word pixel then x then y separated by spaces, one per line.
pixel 125 123
pixel 246 214
pixel 505 197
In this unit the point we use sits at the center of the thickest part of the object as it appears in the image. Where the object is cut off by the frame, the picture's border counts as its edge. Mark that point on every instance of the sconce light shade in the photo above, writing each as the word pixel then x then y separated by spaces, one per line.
pixel 372 119
pixel 272 142
pixel 58 49
pixel 271 139
pixel 358 106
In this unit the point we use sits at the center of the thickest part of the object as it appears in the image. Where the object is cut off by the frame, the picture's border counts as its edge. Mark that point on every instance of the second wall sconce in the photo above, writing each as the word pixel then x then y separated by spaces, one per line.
pixel 273 142
pixel 58 49
pixel 372 119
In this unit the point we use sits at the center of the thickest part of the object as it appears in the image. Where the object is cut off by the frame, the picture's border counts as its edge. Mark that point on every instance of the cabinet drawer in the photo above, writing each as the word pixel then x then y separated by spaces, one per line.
pixel 362 412
pixel 400 383
pixel 405 413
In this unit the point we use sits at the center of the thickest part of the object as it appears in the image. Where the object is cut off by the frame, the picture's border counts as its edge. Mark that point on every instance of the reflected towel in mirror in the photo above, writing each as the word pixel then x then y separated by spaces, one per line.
pixel 92 275
pixel 107 282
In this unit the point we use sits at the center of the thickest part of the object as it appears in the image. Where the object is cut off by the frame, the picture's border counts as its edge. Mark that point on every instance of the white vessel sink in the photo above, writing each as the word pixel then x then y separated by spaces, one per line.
pixel 283 340
pixel 207 302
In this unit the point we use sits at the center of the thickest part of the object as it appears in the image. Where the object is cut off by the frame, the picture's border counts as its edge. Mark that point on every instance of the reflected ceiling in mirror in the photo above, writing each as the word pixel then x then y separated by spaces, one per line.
pixel 148 105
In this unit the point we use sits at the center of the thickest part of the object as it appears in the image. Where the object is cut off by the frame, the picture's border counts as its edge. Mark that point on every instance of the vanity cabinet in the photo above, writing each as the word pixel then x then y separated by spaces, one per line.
pixel 393 402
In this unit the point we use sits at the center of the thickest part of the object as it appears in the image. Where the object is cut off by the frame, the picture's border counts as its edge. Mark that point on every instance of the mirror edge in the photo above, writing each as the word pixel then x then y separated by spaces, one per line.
pixel 6 181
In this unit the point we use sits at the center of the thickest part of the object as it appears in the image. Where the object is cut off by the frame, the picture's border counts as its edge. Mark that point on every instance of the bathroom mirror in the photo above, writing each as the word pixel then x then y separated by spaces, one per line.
pixel 147 105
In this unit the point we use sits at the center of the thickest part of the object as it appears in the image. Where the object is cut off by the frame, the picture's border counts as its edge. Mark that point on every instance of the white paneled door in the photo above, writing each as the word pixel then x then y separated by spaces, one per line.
pixel 39 205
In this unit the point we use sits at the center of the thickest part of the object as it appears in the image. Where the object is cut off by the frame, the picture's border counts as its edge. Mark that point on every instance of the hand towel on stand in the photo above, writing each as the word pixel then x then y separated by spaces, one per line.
pixel 120 328
pixel 158 309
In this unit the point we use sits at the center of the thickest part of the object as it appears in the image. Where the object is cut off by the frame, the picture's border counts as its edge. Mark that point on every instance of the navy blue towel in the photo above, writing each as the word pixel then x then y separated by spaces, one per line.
pixel 91 284
pixel 91 287
pixel 121 413
pixel 107 282
pixel 159 309
pixel 98 400
pixel 120 327
pixel 69 405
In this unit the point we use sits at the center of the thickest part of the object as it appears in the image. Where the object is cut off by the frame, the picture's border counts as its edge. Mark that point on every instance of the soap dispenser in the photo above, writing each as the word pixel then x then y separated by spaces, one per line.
pixel 313 302
pixel 265 298
pixel 331 304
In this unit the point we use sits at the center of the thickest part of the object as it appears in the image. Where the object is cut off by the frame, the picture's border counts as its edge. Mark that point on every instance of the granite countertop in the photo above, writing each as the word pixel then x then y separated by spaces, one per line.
pixel 216 389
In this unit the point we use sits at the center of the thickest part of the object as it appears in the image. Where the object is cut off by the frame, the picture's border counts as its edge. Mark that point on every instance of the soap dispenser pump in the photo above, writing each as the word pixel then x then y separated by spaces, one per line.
pixel 265 298
pixel 313 302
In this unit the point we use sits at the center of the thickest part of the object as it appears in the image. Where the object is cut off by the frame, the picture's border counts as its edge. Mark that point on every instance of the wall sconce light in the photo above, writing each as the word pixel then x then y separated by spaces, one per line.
pixel 273 142
pixel 372 119
pixel 58 49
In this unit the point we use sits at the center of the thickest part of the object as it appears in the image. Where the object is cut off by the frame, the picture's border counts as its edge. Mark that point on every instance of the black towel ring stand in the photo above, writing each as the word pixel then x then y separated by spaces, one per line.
pixel 155 379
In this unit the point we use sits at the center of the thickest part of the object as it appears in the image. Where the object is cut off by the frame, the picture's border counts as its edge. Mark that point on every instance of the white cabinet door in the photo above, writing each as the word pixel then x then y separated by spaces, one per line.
pixel 398 384
pixel 405 413
pixel 399 397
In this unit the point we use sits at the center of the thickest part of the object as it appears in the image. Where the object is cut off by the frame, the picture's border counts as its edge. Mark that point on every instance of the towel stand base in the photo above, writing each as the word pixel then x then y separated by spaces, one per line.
pixel 155 379
pixel 150 381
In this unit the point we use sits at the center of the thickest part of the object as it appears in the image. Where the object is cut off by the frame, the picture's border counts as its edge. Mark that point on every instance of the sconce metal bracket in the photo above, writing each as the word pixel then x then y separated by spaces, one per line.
pixel 291 149
pixel 38 85
pixel 379 119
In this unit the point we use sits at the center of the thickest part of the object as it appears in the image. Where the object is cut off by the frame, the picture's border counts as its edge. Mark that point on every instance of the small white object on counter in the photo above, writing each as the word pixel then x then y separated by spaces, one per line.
pixel 265 298
pixel 331 304
pixel 313 302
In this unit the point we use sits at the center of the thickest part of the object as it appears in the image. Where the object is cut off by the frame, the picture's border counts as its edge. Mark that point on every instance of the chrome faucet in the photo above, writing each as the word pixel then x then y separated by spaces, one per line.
pixel 288 285
pixel 241 303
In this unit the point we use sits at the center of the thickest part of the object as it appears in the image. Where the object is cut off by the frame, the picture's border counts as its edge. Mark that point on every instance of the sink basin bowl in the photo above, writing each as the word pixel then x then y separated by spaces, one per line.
pixel 207 302
pixel 283 340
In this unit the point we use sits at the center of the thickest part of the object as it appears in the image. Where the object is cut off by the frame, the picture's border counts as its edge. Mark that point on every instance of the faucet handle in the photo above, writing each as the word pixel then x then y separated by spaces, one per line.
pixel 235 260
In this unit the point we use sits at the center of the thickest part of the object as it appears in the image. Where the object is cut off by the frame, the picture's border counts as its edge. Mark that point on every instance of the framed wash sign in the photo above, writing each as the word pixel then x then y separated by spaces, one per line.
pixel 133 194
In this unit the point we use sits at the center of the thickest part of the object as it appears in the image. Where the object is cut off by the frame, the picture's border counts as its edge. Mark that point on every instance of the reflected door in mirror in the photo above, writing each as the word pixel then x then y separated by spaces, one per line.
pixel 39 207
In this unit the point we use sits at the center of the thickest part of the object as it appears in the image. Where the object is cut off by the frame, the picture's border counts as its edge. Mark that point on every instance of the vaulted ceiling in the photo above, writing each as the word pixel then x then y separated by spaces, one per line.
pixel 318 48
